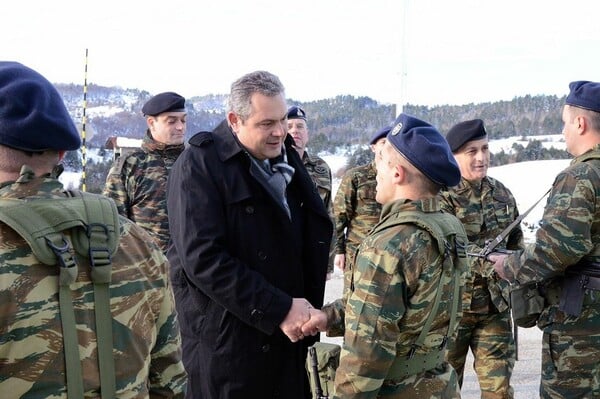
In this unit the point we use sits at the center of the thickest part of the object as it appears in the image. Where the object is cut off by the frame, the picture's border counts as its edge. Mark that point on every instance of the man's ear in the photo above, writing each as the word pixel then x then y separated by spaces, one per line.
pixel 233 120
pixel 61 155
pixel 399 175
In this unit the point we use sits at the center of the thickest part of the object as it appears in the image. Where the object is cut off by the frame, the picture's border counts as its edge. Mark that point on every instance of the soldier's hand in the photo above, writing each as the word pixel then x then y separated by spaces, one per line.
pixel 317 322
pixel 339 261
pixel 299 313
pixel 498 260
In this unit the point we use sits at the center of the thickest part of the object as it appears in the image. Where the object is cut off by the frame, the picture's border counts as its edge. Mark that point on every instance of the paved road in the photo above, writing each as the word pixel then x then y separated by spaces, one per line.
pixel 526 374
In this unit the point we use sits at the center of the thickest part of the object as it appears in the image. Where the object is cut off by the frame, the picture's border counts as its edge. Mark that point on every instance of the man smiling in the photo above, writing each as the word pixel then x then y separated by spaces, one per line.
pixel 485 207
pixel 250 239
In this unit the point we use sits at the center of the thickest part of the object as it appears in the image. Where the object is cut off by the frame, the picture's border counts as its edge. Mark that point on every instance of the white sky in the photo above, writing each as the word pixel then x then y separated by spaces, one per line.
pixel 454 51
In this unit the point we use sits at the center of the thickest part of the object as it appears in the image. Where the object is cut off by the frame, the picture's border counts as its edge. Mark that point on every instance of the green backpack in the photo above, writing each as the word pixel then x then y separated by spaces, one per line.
pixel 93 223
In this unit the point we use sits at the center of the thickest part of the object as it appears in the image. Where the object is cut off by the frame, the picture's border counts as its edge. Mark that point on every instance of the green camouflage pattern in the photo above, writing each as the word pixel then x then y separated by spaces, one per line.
pixel 569 232
pixel 355 212
pixel 485 208
pixel 398 271
pixel 320 173
pixel 137 182
pixel 147 344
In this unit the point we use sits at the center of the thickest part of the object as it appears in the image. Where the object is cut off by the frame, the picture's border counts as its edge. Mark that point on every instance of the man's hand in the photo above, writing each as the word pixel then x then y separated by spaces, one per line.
pixel 299 313
pixel 339 261
pixel 317 322
pixel 498 260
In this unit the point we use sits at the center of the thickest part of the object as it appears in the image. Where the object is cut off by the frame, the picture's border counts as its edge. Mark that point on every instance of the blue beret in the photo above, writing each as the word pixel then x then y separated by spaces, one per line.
pixel 424 147
pixel 463 132
pixel 584 94
pixel 379 134
pixel 296 113
pixel 164 102
pixel 33 116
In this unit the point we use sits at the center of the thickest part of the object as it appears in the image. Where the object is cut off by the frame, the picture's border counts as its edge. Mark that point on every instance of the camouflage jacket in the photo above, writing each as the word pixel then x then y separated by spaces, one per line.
pixel 320 173
pixel 397 275
pixel 147 344
pixel 355 209
pixel 569 232
pixel 137 182
pixel 485 209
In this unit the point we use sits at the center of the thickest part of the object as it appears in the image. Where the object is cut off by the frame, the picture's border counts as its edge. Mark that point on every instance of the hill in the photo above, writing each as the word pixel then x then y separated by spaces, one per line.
pixel 342 121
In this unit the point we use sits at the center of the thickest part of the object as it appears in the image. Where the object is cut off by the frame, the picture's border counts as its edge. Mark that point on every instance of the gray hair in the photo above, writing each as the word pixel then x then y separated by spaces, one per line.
pixel 254 82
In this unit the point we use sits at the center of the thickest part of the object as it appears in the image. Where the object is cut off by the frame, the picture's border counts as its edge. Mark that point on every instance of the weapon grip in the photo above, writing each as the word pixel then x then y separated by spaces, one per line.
pixel 315 371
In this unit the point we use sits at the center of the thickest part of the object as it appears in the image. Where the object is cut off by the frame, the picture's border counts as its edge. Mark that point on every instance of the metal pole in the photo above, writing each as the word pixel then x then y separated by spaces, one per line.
pixel 83 145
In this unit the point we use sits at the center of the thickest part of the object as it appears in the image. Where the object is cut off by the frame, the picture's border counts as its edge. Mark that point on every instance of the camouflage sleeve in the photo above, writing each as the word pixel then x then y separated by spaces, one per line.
pixel 372 322
pixel 343 210
pixel 565 233
pixel 115 186
pixel 166 375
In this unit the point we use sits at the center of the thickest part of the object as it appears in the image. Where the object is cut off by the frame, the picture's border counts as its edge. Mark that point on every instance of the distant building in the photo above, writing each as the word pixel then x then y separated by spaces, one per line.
pixel 122 145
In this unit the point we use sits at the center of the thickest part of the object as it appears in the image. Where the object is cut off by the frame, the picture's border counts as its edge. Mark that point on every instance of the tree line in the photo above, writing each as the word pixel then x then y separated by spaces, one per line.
pixel 344 122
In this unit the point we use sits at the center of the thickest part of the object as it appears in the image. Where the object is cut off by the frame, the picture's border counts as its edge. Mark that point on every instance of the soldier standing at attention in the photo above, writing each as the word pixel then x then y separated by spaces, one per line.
pixel 137 182
pixel 409 275
pixel 316 167
pixel 69 329
pixel 565 257
pixel 355 209
pixel 485 207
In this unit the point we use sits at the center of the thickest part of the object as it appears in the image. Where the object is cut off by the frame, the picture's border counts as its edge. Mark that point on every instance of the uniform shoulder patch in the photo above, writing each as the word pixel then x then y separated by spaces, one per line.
pixel 321 170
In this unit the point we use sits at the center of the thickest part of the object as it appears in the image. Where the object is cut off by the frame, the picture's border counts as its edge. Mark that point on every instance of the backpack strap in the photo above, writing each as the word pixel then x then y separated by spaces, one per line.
pixel 449 240
pixel 94 225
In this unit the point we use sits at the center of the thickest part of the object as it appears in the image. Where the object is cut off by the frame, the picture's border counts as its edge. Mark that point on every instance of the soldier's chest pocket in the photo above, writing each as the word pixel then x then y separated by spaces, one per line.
pixel 366 191
pixel 502 210
pixel 472 220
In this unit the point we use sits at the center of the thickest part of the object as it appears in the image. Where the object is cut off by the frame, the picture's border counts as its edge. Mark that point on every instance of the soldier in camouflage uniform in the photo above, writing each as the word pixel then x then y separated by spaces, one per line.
pixel 35 132
pixel 485 207
pixel 405 302
pixel 317 168
pixel 355 209
pixel 137 182
pixel 565 258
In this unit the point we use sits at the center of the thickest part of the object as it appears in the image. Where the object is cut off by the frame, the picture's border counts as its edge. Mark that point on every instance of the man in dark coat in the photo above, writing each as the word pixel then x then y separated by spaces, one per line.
pixel 250 243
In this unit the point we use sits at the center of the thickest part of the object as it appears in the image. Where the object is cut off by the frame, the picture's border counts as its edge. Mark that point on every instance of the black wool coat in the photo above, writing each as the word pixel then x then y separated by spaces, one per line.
pixel 237 260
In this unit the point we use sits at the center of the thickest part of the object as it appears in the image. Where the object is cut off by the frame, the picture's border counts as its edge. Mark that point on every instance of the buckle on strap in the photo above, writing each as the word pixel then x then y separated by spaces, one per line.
pixel 99 254
pixel 68 265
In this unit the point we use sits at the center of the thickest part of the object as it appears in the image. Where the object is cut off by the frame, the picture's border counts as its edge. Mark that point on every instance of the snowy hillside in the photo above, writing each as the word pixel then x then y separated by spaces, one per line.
pixel 527 181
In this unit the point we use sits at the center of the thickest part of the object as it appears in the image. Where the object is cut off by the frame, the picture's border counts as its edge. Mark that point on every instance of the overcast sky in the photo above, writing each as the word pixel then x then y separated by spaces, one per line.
pixel 425 52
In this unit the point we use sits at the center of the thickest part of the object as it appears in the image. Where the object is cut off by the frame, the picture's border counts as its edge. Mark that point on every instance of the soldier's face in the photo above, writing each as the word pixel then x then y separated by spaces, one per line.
pixel 474 159
pixel 168 128
pixel 262 133
pixel 387 173
pixel 299 132
pixel 377 147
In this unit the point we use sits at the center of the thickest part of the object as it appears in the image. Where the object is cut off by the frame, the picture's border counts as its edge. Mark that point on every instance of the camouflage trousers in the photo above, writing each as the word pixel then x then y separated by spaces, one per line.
pixel 570 365
pixel 490 338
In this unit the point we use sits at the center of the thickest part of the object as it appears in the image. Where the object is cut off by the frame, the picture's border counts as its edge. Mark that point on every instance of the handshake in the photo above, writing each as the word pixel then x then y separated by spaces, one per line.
pixel 303 320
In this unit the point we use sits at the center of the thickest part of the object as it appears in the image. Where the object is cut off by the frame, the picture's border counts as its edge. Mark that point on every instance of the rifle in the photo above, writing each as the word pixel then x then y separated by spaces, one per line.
pixel 490 245
pixel 315 371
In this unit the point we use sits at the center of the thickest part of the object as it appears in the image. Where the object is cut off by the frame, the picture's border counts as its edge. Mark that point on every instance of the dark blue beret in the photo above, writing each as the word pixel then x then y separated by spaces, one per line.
pixel 424 147
pixel 379 134
pixel 463 132
pixel 584 94
pixel 296 113
pixel 33 116
pixel 164 102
